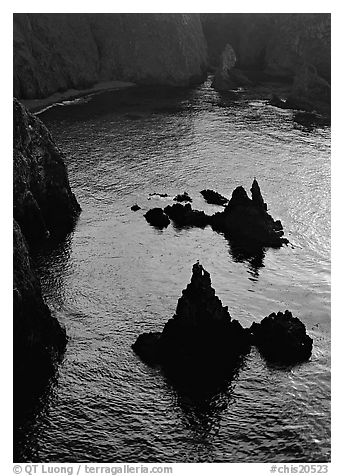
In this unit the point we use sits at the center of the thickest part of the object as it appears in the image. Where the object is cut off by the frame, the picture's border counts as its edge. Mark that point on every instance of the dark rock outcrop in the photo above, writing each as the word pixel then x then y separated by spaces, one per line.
pixel 43 203
pixel 157 217
pixel 44 206
pixel 135 207
pixel 201 337
pixel 282 338
pixel 227 76
pixel 214 198
pixel 272 43
pixel 37 336
pixel 244 219
pixel 182 197
pixel 248 220
pixel 184 215
pixel 156 194
pixel 56 51
pixel 310 91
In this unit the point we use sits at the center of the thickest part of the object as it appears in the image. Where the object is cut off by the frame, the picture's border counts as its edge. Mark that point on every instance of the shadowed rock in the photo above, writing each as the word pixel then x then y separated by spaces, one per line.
pixel 228 77
pixel 201 334
pixel 247 219
pixel 214 198
pixel 184 215
pixel 310 91
pixel 135 207
pixel 43 203
pixel 183 197
pixel 157 217
pixel 282 338
pixel 244 219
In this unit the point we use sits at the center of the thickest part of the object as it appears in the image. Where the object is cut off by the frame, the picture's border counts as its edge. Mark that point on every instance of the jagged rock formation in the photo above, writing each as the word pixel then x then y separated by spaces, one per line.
pixel 42 198
pixel 200 336
pixel 273 43
pixel 244 219
pixel 44 206
pixel 182 197
pixel 37 335
pixel 227 76
pixel 247 219
pixel 282 338
pixel 184 215
pixel 202 339
pixel 214 198
pixel 293 47
pixel 157 217
pixel 55 52
pixel 309 90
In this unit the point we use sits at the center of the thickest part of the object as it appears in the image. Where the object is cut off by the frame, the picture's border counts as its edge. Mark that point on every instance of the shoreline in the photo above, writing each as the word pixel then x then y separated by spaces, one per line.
pixel 38 106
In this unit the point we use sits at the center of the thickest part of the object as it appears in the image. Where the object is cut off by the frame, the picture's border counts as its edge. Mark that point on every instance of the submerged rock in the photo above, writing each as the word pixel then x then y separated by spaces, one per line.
pixel 201 334
pixel 183 197
pixel 248 220
pixel 214 198
pixel 282 338
pixel 157 217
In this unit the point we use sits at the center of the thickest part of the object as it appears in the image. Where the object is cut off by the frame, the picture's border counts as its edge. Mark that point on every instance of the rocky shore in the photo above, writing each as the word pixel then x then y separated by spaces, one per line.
pixel 247 49
pixel 44 208
pixel 54 52
pixel 43 203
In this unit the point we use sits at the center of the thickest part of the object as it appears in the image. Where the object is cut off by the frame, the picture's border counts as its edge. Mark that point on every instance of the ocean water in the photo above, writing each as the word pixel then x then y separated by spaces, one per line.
pixel 116 276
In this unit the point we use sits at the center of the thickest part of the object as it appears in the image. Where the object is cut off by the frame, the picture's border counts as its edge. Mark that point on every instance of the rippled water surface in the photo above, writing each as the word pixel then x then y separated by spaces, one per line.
pixel 116 277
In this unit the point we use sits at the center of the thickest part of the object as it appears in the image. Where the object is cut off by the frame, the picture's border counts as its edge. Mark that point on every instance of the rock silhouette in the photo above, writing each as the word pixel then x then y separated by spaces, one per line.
pixel 184 215
pixel 201 334
pixel 157 217
pixel 182 197
pixel 214 198
pixel 282 338
pixel 43 203
pixel 244 219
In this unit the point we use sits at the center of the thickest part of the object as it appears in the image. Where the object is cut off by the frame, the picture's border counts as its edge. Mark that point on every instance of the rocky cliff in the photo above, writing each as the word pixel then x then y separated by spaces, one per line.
pixel 44 206
pixel 43 203
pixel 55 52
pixel 276 43
pixel 37 334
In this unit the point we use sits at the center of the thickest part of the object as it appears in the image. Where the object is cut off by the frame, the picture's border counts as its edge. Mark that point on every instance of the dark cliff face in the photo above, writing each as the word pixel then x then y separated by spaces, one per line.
pixel 55 52
pixel 37 334
pixel 43 206
pixel 43 201
pixel 276 43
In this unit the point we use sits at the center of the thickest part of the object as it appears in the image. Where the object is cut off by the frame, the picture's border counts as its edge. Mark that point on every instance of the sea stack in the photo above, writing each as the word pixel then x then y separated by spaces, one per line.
pixel 201 336
pixel 246 219
pixel 282 338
